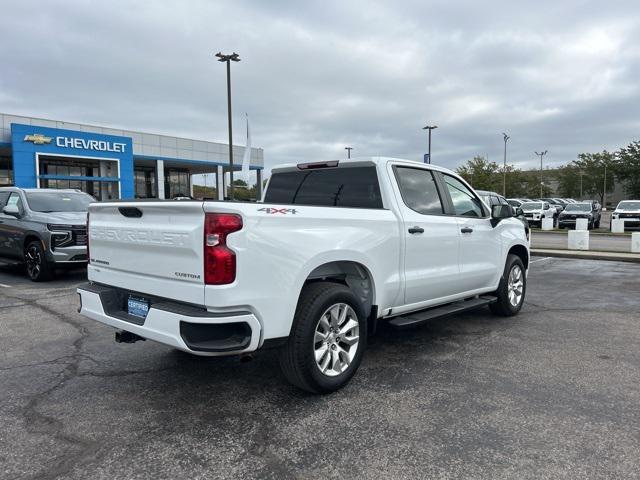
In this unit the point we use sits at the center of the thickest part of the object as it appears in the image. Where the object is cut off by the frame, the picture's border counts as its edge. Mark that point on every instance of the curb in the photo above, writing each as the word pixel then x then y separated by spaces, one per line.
pixel 591 232
pixel 588 255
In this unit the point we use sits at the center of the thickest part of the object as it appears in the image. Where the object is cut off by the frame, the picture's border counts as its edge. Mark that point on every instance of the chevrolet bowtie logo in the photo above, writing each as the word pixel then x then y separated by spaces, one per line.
pixel 37 139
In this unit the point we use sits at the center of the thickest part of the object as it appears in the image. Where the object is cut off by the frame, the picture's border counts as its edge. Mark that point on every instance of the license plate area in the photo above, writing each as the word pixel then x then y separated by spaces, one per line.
pixel 137 306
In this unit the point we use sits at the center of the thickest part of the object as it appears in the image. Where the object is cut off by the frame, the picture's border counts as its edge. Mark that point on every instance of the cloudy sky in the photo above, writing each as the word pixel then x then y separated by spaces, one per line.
pixel 317 76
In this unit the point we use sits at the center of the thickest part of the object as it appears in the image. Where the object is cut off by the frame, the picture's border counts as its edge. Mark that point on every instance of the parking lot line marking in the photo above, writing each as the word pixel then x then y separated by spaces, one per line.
pixel 5 286
pixel 540 259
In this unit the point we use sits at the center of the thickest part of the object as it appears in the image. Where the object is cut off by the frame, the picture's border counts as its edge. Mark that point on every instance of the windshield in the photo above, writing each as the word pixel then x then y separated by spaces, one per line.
pixel 629 206
pixel 531 206
pixel 58 201
pixel 514 203
pixel 578 207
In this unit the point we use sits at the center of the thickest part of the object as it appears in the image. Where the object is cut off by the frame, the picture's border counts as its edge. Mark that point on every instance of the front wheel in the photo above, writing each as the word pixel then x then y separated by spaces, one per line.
pixel 38 269
pixel 327 339
pixel 511 289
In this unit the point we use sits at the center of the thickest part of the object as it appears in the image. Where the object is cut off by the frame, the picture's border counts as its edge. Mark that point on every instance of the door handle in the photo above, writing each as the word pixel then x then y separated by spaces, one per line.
pixel 416 230
pixel 466 229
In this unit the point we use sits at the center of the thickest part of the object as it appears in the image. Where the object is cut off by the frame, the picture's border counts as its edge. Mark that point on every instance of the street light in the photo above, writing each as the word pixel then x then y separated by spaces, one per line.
pixel 541 154
pixel 430 128
pixel 581 175
pixel 228 59
pixel 504 168
pixel 348 149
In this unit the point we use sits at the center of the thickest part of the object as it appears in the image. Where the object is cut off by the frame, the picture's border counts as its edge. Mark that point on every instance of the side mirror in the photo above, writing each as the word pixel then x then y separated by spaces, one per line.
pixel 12 210
pixel 519 212
pixel 500 212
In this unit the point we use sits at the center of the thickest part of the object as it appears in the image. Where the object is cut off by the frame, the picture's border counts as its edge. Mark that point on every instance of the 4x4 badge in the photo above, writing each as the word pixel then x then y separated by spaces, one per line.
pixel 283 211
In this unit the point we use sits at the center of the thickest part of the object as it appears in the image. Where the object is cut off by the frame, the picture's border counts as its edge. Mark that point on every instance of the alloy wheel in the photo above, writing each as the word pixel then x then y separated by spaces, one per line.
pixel 336 339
pixel 515 285
pixel 34 261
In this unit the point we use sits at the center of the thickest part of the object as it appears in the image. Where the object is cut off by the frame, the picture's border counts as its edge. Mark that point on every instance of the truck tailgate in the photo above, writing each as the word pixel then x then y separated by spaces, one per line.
pixel 149 247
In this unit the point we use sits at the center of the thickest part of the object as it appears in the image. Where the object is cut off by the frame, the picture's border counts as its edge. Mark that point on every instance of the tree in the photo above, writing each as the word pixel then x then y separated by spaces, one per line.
pixel 593 167
pixel 627 168
pixel 569 178
pixel 481 174
pixel 485 175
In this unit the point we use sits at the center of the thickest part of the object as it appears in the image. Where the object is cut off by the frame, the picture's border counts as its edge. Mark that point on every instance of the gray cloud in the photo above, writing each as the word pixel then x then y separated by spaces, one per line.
pixel 316 76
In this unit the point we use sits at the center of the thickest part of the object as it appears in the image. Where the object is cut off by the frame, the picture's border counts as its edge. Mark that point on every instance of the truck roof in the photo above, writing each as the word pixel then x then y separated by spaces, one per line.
pixel 356 160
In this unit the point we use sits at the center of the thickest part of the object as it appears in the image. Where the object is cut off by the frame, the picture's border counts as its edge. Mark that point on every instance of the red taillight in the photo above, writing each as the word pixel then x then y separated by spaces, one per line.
pixel 88 256
pixel 219 260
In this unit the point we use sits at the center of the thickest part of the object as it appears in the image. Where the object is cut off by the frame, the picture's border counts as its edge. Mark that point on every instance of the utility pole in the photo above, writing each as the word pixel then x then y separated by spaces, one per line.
pixel 228 59
pixel 604 188
pixel 430 128
pixel 504 167
pixel 348 149
pixel 541 154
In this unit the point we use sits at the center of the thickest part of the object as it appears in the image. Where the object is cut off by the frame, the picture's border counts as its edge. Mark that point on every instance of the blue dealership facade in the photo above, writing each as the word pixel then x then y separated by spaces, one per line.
pixel 110 163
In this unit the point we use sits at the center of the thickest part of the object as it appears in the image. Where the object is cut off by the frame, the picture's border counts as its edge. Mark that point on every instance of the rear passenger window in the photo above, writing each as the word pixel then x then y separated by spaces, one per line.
pixel 3 199
pixel 465 203
pixel 419 191
pixel 339 187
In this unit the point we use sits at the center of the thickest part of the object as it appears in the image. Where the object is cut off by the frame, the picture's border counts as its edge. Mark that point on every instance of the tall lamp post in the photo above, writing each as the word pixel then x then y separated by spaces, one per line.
pixel 504 167
pixel 604 189
pixel 348 149
pixel 428 127
pixel 581 175
pixel 541 154
pixel 228 59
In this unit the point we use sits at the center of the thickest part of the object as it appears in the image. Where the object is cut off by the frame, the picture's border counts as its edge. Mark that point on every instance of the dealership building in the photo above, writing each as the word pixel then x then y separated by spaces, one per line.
pixel 110 163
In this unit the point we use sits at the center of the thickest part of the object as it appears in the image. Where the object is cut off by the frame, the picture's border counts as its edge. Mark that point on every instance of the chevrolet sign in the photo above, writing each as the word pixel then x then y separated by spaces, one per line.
pixel 100 145
pixel 37 139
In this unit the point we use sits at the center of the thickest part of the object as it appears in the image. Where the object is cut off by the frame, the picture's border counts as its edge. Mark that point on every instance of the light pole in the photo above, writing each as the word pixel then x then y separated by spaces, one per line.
pixel 504 168
pixel 228 59
pixel 541 154
pixel 430 128
pixel 348 149
pixel 581 175
pixel 604 188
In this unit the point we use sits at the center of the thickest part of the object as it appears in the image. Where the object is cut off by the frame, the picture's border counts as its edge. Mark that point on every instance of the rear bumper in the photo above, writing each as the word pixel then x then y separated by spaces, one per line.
pixel 184 327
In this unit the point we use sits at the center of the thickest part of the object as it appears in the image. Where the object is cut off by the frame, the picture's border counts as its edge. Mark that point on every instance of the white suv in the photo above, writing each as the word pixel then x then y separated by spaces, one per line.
pixel 534 212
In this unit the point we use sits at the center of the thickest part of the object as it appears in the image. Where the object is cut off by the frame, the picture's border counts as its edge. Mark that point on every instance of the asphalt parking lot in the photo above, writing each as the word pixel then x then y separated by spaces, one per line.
pixel 552 393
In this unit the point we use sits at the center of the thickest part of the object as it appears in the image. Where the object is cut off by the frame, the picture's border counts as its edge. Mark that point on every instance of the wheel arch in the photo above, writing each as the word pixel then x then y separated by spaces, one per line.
pixel 522 252
pixel 29 237
pixel 353 274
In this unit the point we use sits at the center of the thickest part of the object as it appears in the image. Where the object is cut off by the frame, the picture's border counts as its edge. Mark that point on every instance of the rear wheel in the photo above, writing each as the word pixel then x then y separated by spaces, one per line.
pixel 38 268
pixel 512 288
pixel 327 339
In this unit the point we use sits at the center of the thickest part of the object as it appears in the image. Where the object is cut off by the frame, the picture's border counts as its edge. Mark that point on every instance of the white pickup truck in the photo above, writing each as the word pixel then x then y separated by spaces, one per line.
pixel 333 249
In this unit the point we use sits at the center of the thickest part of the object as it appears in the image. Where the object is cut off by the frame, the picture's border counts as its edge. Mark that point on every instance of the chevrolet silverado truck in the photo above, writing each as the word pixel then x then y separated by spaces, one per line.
pixel 332 249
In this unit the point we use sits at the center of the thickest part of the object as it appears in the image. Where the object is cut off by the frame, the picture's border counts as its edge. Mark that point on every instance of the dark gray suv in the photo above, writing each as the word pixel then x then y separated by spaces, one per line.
pixel 43 228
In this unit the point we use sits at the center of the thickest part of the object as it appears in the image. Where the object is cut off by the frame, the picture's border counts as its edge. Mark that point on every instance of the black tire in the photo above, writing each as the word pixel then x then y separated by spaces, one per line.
pixel 298 356
pixel 503 306
pixel 38 268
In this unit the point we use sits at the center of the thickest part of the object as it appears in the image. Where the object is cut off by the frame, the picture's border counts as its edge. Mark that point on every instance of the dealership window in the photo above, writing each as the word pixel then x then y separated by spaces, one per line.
pixel 176 183
pixel 145 182
pixel 6 172
pixel 73 169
